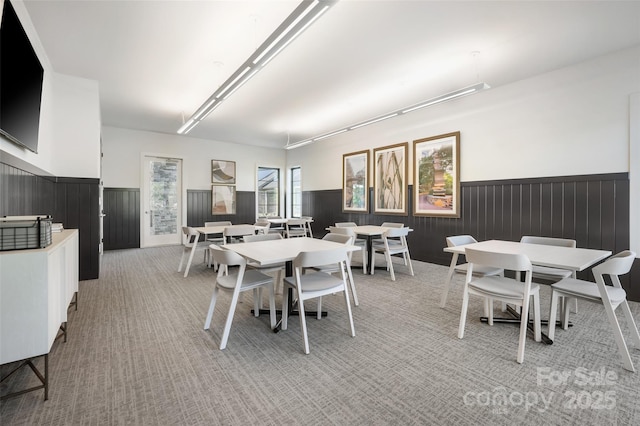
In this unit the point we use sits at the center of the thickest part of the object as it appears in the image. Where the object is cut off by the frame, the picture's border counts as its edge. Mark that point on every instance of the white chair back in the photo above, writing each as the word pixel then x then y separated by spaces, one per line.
pixel 220 223
pixel 510 261
pixel 396 232
pixel 619 264
pixel 339 238
pixel 460 240
pixel 261 237
pixel 392 225
pixel 548 241
pixel 308 259
pixel 239 230
pixel 191 234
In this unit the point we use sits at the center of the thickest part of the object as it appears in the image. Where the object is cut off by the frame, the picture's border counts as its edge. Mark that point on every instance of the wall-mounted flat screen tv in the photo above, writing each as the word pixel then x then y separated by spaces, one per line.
pixel 20 82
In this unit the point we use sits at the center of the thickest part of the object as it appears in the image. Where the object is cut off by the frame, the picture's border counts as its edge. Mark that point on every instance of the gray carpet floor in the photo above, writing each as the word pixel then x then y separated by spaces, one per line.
pixel 137 354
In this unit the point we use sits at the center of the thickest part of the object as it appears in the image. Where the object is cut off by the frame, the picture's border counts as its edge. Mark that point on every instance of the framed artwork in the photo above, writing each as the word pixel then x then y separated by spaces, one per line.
pixel 437 176
pixel 390 179
pixel 223 172
pixel 223 199
pixel 355 182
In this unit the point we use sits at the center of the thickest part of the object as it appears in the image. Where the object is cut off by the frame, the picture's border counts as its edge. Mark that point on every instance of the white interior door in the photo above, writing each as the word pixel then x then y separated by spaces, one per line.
pixel 161 201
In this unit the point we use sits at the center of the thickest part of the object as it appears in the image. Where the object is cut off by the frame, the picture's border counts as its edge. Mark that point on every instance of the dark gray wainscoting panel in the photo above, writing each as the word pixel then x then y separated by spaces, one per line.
pixel 78 206
pixel 199 208
pixel 592 209
pixel 71 201
pixel 121 226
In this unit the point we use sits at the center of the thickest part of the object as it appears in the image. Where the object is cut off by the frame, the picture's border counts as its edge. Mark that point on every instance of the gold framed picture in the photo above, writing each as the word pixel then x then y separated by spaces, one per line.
pixel 437 176
pixel 390 179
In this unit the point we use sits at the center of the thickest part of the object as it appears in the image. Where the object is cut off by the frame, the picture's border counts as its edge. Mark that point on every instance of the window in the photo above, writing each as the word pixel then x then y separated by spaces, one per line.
pixel 296 192
pixel 268 191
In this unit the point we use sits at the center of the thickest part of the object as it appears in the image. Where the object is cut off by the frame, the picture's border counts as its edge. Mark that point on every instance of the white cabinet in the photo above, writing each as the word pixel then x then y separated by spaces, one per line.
pixel 36 288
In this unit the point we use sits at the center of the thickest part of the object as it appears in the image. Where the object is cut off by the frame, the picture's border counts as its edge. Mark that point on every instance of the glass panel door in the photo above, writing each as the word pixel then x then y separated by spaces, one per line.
pixel 162 201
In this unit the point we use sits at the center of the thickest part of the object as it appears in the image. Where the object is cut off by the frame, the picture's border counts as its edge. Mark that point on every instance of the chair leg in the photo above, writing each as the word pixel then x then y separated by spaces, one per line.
pixel 352 284
pixel 346 300
pixel 373 262
pixel 463 313
pixel 565 312
pixel 390 266
pixel 193 251
pixel 364 261
pixel 448 284
pixel 257 301
pixel 524 322
pixel 303 324
pixel 272 305
pixel 212 306
pixel 617 333
pixel 489 308
pixel 410 264
pixel 181 260
pixel 285 307
pixel 278 284
pixel 227 324
pixel 319 308
pixel 633 329
pixel 536 317
pixel 551 331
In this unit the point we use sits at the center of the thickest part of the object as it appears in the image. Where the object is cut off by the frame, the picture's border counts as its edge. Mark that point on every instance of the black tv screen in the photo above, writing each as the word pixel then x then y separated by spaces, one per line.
pixel 20 82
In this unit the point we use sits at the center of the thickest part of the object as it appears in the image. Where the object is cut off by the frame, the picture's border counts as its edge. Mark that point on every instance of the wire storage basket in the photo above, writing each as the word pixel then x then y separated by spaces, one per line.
pixel 25 232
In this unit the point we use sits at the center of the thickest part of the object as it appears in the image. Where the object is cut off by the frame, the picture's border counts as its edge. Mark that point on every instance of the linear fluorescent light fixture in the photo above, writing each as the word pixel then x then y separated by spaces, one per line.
pixel 465 91
pixel 299 20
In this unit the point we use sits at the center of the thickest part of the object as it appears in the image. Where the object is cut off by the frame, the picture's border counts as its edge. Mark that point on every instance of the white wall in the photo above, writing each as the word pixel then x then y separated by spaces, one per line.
pixel 571 121
pixel 69 133
pixel 123 148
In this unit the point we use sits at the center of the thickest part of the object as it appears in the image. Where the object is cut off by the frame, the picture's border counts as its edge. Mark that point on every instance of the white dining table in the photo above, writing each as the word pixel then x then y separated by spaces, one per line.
pixel 271 252
pixel 571 258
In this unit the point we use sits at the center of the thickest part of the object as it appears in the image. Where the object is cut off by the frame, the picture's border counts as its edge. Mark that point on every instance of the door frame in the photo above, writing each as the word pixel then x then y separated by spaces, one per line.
pixel 183 205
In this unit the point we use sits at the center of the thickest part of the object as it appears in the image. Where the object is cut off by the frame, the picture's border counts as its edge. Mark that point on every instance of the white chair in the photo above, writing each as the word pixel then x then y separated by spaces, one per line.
pixel 276 227
pixel 235 233
pixel 214 238
pixel 331 269
pixel 389 225
pixel 389 248
pixel 545 273
pixel 316 284
pixel 262 226
pixel 610 296
pixel 296 228
pixel 506 290
pixel 362 243
pixel 346 224
pixel 277 268
pixel 191 238
pixel 242 280
pixel 478 271
pixel 309 219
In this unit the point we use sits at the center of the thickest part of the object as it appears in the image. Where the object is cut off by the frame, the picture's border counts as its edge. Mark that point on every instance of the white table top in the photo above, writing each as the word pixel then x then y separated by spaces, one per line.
pixel 277 251
pixel 575 259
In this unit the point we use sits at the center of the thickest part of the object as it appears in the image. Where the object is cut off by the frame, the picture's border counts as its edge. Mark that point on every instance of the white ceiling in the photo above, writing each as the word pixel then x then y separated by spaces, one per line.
pixel 156 61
